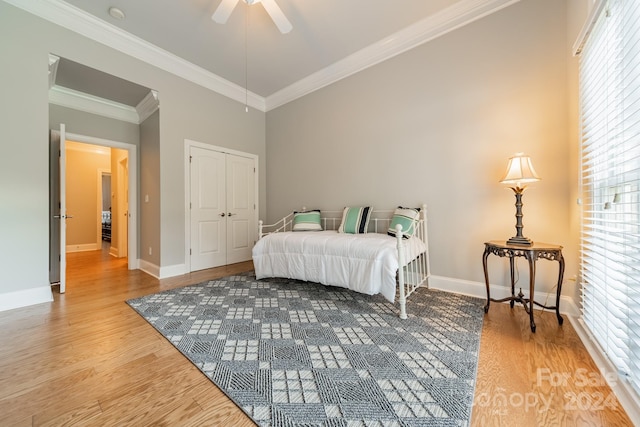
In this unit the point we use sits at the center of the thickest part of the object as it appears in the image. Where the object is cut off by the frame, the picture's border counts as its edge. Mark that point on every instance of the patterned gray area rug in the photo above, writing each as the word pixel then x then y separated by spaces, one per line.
pixel 292 353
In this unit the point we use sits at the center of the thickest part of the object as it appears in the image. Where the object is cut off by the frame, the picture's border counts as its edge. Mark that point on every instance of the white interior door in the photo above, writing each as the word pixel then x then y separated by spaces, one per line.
pixel 58 209
pixel 63 210
pixel 54 207
pixel 123 204
pixel 240 207
pixel 207 206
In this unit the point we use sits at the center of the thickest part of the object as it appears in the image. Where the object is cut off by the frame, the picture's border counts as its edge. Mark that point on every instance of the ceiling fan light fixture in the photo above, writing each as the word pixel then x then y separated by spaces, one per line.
pixel 224 9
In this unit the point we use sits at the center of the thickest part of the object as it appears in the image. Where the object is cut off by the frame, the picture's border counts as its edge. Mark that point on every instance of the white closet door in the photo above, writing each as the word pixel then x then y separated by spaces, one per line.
pixel 240 208
pixel 208 213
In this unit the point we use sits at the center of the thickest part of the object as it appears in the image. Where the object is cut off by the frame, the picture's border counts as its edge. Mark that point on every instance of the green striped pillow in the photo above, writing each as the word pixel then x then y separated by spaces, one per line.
pixel 407 218
pixel 355 220
pixel 307 221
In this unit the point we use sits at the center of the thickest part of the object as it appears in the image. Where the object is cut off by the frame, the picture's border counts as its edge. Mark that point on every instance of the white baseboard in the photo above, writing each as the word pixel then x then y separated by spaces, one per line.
pixel 625 393
pixel 82 248
pixel 17 299
pixel 134 264
pixel 479 290
pixel 173 270
pixel 149 268
pixel 162 272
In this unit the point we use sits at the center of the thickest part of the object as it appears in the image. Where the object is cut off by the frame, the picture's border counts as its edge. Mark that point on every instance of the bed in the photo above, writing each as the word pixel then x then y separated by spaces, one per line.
pixel 106 226
pixel 367 261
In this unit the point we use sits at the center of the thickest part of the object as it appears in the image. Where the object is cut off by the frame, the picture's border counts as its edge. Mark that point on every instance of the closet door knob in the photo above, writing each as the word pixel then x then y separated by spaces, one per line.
pixel 229 214
pixel 222 214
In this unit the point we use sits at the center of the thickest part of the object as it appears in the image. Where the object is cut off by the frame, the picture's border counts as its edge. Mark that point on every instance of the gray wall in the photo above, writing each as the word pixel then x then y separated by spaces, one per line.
pixel 436 125
pixel 150 187
pixel 82 195
pixel 87 124
pixel 188 111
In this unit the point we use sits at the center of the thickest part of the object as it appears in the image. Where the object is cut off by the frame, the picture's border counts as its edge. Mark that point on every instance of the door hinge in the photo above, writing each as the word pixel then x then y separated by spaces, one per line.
pixel 190 252
pixel 190 159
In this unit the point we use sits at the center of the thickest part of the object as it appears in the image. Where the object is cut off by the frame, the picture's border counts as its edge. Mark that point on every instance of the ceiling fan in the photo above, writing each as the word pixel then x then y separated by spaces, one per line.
pixel 225 8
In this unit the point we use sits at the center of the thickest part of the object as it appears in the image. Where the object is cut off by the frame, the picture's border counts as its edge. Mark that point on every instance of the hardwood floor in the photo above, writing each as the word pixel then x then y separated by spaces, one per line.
pixel 88 359
pixel 542 379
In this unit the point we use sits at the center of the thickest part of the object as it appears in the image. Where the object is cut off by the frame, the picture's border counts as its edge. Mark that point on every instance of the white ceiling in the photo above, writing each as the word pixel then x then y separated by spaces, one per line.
pixel 330 40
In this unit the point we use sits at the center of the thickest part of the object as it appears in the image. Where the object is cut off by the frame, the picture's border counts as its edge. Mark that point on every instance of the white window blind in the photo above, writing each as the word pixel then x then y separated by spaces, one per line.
pixel 610 245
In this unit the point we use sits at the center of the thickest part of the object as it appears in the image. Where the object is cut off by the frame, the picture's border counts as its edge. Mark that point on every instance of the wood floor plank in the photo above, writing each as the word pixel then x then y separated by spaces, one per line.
pixel 42 396
pixel 188 409
pixel 149 397
pixel 25 422
pixel 519 375
pixel 221 414
pixel 217 409
pixel 172 373
pixel 88 359
pixel 82 415
pixel 44 367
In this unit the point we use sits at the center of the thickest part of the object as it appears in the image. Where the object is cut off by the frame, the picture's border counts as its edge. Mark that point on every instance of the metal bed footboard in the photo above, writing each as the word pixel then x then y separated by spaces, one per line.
pixel 414 273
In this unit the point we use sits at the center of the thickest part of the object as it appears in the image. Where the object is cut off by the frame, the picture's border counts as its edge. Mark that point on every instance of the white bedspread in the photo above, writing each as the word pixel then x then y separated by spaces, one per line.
pixel 365 263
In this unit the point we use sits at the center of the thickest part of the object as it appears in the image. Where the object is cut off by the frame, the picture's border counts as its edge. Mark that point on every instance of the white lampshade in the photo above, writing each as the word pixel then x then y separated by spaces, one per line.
pixel 519 171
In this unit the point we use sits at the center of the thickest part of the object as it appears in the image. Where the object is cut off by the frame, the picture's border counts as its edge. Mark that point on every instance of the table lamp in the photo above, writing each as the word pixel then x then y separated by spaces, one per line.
pixel 519 173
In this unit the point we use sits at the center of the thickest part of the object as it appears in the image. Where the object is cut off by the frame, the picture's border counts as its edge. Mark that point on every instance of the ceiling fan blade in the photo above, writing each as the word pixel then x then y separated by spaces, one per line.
pixel 278 17
pixel 224 10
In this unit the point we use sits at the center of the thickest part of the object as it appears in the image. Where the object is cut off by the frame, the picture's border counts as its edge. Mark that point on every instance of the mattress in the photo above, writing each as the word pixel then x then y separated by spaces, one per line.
pixel 365 263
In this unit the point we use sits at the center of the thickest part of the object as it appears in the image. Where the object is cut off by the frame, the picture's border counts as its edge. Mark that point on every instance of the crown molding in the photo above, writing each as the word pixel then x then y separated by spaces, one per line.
pixel 458 15
pixel 53 69
pixel 81 101
pixel 148 106
pixel 69 98
pixel 81 22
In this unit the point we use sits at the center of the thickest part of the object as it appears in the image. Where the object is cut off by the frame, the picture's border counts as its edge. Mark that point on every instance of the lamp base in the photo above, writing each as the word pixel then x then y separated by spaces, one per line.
pixel 520 241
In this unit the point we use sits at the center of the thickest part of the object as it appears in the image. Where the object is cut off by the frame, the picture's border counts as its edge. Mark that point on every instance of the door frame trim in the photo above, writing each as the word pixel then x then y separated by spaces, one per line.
pixel 132 149
pixel 188 143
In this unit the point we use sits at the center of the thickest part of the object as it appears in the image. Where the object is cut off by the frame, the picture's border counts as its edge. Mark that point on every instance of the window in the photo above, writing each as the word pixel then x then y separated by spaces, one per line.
pixel 610 246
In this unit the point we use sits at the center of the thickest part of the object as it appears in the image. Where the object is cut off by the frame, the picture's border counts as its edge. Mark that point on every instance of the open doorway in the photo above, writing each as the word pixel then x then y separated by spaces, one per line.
pixel 89 161
pixel 93 102
pixel 97 198
pixel 89 197
pixel 98 158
